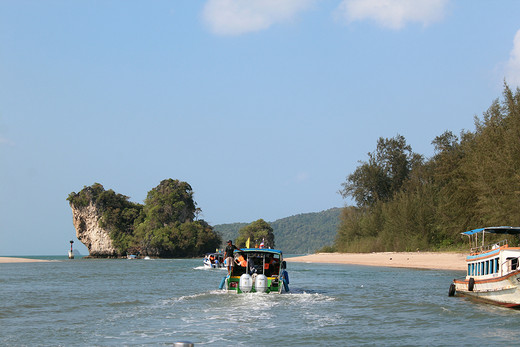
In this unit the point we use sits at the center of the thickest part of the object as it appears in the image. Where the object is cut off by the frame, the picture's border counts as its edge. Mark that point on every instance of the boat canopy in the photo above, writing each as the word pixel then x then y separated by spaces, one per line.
pixel 494 230
pixel 259 250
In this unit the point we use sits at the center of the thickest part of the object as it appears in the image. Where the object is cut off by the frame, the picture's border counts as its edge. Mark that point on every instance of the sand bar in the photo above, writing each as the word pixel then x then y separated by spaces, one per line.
pixel 4 260
pixel 416 260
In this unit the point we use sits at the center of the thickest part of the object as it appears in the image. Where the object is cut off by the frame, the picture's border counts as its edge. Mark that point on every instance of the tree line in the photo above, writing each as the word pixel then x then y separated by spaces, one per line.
pixel 405 202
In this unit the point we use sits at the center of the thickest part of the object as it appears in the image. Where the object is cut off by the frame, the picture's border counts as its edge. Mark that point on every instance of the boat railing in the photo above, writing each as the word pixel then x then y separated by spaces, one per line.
pixel 481 249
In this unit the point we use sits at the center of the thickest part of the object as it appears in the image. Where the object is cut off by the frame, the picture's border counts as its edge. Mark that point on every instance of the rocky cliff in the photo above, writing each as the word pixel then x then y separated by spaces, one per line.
pixel 88 231
pixel 110 225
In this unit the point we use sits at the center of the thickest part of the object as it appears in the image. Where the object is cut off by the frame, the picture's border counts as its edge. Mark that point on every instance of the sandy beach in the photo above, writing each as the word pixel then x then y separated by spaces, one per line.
pixel 4 260
pixel 417 260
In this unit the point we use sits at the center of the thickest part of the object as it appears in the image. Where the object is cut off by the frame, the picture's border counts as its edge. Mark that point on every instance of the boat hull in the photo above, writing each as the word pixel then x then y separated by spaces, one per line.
pixel 503 291
pixel 273 285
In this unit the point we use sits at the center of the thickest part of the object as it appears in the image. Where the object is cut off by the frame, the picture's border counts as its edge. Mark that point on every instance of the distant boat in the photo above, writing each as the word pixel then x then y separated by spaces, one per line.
pixel 131 256
pixel 257 270
pixel 213 260
pixel 493 271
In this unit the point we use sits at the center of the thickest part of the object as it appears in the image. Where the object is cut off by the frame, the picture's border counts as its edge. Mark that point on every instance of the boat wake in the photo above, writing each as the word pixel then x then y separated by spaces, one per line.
pixel 208 268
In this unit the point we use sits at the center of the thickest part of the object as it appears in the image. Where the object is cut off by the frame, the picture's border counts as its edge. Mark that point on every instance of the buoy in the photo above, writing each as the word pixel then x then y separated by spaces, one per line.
pixel 261 283
pixel 246 283
pixel 183 344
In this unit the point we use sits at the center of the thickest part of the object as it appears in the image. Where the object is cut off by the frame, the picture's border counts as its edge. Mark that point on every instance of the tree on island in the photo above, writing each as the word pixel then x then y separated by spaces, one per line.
pixel 168 228
pixel 257 232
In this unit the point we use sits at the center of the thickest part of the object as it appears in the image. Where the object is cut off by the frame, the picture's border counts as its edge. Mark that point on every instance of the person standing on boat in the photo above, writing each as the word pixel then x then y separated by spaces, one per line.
pixel 228 255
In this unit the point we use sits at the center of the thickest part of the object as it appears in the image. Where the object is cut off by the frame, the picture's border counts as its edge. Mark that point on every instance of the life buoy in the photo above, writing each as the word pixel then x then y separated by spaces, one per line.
pixel 451 291
pixel 471 284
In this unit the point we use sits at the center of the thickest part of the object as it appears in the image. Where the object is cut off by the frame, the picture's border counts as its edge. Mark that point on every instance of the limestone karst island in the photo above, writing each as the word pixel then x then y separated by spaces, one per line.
pixel 111 226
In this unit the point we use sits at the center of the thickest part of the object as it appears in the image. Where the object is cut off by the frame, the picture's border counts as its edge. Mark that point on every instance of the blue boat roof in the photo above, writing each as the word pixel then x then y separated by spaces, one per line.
pixel 256 250
pixel 494 230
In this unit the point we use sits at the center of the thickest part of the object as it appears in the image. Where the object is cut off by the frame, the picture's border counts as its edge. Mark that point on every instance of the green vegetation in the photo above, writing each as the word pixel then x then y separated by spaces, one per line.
pixel 306 232
pixel 302 233
pixel 257 232
pixel 407 203
pixel 163 227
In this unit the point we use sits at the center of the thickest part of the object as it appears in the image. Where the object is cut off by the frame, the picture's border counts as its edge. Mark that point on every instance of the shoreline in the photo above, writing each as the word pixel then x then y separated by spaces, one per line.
pixel 413 260
pixel 8 260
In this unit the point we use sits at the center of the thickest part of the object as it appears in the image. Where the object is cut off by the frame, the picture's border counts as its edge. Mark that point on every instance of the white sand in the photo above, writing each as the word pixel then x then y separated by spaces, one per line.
pixel 20 260
pixel 418 260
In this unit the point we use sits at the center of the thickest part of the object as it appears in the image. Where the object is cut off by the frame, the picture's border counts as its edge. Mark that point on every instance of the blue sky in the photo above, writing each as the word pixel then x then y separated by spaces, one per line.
pixel 262 106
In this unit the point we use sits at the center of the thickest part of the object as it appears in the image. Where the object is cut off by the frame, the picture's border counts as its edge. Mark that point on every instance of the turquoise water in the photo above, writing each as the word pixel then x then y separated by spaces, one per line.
pixel 158 302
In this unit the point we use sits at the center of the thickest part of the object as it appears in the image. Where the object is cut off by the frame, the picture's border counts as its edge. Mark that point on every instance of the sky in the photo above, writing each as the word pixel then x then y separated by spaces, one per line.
pixel 263 106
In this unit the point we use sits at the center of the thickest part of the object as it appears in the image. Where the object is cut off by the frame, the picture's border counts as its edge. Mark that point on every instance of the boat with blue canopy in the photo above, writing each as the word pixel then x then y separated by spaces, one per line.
pixel 493 271
pixel 257 270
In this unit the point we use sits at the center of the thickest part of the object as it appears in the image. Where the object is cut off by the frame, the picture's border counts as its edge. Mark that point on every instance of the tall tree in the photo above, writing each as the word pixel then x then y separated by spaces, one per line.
pixel 259 231
pixel 384 174
pixel 170 202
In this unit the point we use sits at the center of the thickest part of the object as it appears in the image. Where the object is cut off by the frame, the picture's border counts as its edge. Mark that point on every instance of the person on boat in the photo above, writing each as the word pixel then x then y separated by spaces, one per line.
pixel 228 255
pixel 269 265
pixel 241 261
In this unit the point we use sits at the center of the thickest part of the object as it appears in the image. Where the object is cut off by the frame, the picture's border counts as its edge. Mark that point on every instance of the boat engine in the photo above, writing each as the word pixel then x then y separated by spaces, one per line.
pixel 261 283
pixel 246 283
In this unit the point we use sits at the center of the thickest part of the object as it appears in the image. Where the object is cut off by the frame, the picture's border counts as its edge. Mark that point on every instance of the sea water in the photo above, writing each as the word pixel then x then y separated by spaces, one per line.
pixel 87 302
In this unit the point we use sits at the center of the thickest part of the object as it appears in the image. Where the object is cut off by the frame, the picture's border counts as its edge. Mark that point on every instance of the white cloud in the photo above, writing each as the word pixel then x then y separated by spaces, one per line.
pixel 236 17
pixel 302 177
pixel 512 68
pixel 4 141
pixel 393 14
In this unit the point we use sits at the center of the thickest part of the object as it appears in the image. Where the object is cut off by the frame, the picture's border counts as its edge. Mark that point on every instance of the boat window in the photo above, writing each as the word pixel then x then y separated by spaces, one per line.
pixel 482 268
pixel 514 263
pixel 496 265
pixel 491 266
pixel 469 269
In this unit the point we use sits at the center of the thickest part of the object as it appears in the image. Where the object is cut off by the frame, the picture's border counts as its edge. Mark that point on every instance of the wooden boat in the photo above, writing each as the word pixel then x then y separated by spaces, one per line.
pixel 493 272
pixel 257 270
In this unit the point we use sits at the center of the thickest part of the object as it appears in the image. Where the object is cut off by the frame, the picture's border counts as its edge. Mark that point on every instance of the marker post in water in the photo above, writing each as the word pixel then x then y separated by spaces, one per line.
pixel 71 252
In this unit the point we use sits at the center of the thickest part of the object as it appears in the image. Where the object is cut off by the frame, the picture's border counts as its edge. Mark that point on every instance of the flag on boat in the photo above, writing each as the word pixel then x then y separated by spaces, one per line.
pixel 247 242
pixel 262 244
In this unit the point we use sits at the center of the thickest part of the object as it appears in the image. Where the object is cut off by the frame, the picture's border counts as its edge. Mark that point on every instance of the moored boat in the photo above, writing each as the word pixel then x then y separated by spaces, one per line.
pixel 257 270
pixel 493 272
pixel 213 260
